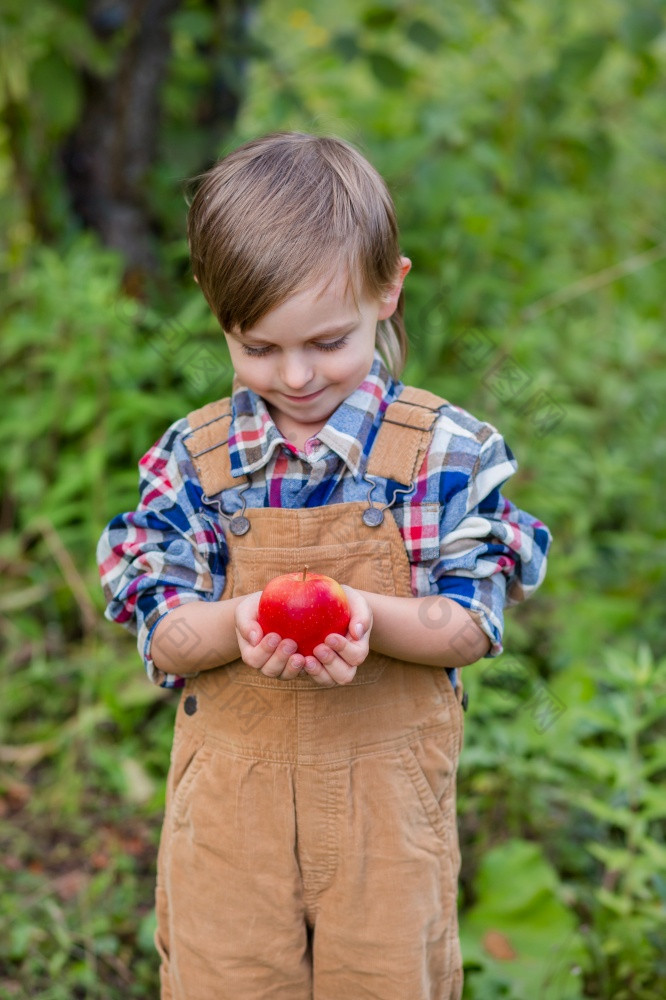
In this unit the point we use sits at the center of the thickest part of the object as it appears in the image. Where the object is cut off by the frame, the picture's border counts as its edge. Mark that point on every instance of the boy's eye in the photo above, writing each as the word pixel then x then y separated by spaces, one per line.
pixel 333 345
pixel 255 352
pixel 259 352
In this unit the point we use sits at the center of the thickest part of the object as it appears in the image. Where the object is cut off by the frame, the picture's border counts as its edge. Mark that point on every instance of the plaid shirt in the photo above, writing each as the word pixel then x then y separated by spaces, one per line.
pixel 469 543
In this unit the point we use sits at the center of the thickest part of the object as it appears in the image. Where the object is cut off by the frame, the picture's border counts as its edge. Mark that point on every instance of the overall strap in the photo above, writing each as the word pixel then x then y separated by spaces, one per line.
pixel 206 442
pixel 397 453
pixel 404 436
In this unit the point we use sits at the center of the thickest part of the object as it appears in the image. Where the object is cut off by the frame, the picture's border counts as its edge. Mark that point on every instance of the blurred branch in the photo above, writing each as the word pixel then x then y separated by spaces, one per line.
pixel 26 183
pixel 592 282
pixel 26 598
pixel 68 568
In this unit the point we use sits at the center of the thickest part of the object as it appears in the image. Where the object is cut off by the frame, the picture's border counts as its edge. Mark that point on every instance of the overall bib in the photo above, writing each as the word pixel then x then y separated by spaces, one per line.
pixel 309 848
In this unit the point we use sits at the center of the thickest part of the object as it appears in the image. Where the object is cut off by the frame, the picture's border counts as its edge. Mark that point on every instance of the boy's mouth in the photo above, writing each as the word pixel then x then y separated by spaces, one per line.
pixel 302 399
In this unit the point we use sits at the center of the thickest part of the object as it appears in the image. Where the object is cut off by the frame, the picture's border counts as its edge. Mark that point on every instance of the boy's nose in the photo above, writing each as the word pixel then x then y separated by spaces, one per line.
pixel 296 371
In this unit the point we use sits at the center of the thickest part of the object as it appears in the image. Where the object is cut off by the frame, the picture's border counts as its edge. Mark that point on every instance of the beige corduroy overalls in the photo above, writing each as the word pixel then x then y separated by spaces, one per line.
pixel 309 848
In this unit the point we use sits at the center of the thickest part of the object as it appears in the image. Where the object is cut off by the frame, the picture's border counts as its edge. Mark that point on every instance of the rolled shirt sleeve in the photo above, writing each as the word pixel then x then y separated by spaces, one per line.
pixel 164 554
pixel 492 554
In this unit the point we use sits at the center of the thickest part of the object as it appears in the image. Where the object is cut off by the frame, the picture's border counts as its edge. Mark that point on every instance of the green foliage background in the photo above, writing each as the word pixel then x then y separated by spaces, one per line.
pixel 525 146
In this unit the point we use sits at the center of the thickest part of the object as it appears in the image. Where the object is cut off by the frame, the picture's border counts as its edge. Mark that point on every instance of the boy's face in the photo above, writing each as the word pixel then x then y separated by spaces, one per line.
pixel 309 353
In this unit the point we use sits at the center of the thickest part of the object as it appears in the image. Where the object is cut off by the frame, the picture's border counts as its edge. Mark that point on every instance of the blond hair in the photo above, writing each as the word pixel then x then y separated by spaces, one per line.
pixel 279 215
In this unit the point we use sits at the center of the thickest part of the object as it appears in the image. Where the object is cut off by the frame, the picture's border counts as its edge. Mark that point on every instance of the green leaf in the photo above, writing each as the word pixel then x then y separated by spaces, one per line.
pixel 146 935
pixel 388 71
pixel 379 17
pixel 198 25
pixel 346 45
pixel 517 899
pixel 581 57
pixel 642 23
pixel 425 35
pixel 57 91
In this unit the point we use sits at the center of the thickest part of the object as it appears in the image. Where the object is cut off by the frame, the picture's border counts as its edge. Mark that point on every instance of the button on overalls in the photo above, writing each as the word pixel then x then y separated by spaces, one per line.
pixel 309 848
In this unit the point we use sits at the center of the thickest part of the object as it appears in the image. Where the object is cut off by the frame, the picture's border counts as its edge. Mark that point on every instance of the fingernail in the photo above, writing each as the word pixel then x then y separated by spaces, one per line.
pixel 273 641
pixel 254 635
pixel 359 630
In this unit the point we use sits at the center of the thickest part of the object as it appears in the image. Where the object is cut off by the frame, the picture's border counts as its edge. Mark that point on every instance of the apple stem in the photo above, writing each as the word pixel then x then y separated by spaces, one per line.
pixel 305 570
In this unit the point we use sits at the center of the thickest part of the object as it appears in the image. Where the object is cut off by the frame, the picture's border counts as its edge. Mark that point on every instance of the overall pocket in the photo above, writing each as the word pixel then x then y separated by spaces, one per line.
pixel 188 760
pixel 365 565
pixel 431 764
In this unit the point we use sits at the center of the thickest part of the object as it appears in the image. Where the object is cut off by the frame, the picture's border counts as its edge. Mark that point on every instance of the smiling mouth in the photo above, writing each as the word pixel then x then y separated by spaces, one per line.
pixel 302 399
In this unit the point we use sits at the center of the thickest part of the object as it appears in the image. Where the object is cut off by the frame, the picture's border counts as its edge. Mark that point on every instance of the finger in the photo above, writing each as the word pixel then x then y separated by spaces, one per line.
pixel 341 670
pixel 294 667
pixel 258 656
pixel 334 641
pixel 270 643
pixel 318 672
pixel 246 617
pixel 358 627
pixel 360 620
pixel 277 663
pixel 250 655
pixel 352 653
pixel 250 632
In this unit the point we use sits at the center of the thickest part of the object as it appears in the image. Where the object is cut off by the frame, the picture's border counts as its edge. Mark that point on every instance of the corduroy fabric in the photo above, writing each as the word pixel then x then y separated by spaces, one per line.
pixel 309 849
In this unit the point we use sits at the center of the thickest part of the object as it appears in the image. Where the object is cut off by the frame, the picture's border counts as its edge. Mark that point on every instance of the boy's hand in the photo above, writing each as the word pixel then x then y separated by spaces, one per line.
pixel 336 660
pixel 272 655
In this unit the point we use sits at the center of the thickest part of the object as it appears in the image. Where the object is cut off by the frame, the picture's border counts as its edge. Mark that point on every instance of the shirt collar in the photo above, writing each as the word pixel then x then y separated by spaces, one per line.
pixel 349 432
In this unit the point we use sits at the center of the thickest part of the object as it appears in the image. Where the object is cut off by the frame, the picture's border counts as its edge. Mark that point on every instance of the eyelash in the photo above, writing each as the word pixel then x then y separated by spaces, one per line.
pixel 260 352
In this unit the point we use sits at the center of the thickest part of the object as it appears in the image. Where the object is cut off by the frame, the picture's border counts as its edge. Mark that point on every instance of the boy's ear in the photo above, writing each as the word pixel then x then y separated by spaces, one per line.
pixel 389 300
pixel 195 278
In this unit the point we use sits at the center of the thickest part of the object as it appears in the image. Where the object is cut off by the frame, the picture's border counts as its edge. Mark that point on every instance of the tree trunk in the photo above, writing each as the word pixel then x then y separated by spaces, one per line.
pixel 108 158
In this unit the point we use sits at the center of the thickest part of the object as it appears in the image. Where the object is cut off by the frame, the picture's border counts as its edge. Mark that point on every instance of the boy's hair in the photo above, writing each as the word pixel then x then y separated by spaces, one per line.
pixel 280 214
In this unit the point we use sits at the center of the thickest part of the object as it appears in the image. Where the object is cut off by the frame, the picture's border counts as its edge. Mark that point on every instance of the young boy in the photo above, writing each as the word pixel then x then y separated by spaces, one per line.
pixel 309 847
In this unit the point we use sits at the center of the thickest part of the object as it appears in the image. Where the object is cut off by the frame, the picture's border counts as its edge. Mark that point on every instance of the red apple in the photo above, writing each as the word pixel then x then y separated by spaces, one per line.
pixel 305 607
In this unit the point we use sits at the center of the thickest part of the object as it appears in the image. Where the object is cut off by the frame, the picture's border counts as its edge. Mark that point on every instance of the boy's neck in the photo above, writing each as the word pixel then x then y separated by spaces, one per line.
pixel 295 433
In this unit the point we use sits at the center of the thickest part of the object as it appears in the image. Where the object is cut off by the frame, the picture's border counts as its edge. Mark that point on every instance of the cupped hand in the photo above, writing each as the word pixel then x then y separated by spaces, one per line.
pixel 336 660
pixel 270 653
